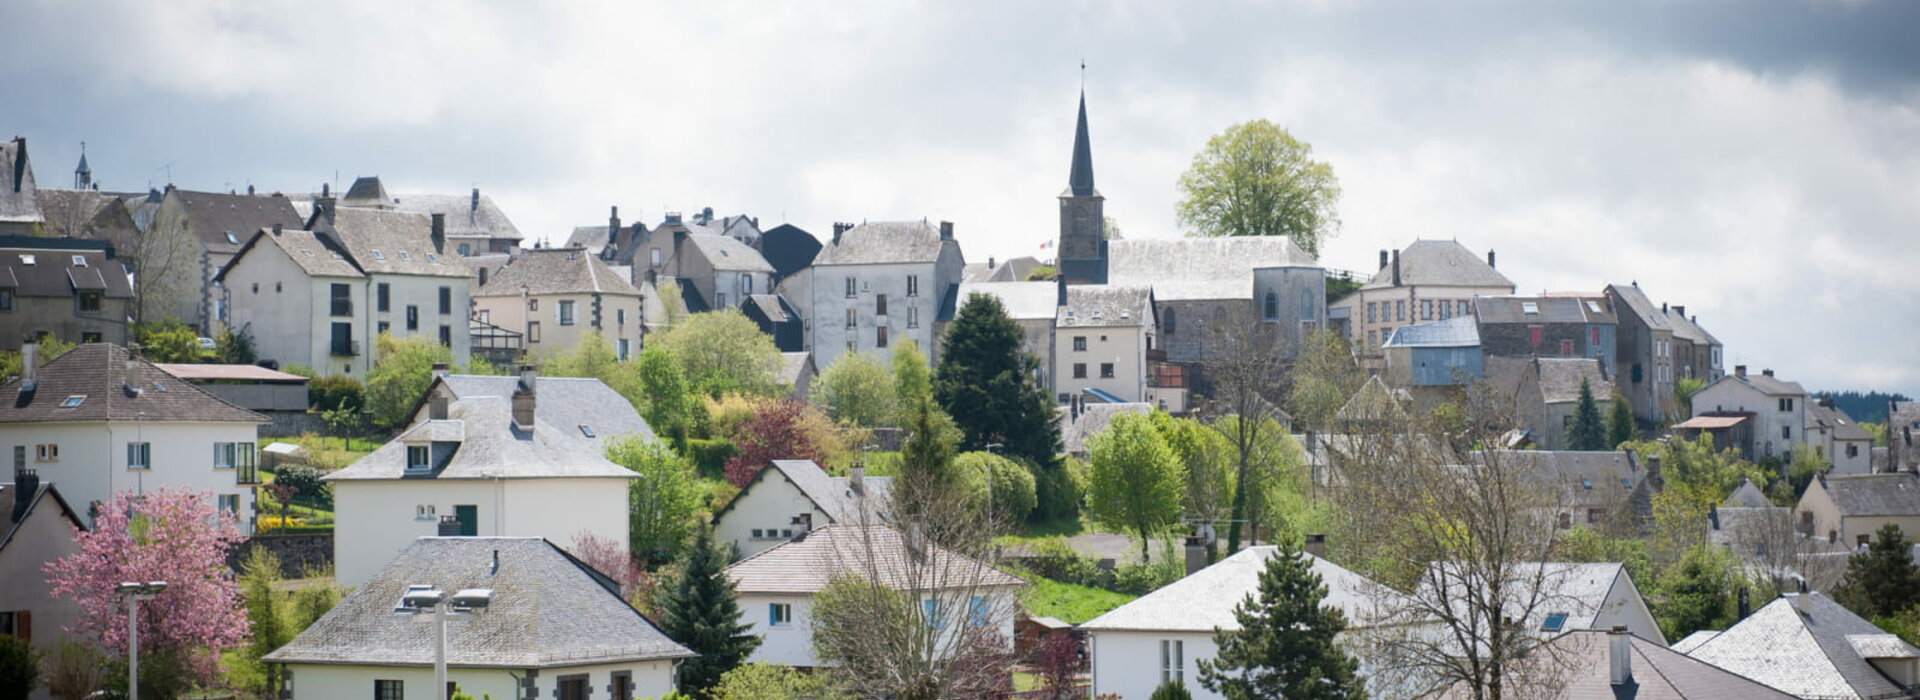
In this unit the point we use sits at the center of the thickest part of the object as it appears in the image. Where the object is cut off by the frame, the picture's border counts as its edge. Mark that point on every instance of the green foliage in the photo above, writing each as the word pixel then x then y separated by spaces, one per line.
pixel 1620 428
pixel 1059 493
pixel 710 456
pixel 1697 594
pixel 1285 645
pixel 1324 377
pixel 759 681
pixel 235 348
pixel 856 390
pixel 1580 544
pixel 1012 485
pixel 670 406
pixel 722 352
pixel 1883 581
pixel 1683 388
pixel 926 458
pixel 1171 691
pixel 336 392
pixel 1138 483
pixel 1074 603
pixel 400 376
pixel 591 358
pixel 1042 273
pixel 1207 459
pixel 1877 430
pixel 1807 463
pixel 306 484
pixel 168 341
pixel 311 601
pixel 73 670
pixel 662 505
pixel 19 668
pixel 299 369
pixel 1587 433
pixel 911 378
pixel 700 610
pixel 1905 623
pixel 267 629
pixel 1255 179
pixel 990 384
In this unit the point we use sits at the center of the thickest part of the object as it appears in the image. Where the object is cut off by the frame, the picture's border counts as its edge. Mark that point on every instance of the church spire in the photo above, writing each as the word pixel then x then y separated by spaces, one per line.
pixel 82 175
pixel 1080 180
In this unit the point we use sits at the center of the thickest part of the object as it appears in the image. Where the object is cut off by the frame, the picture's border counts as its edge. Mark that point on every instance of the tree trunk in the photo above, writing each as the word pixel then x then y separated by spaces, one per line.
pixel 1239 515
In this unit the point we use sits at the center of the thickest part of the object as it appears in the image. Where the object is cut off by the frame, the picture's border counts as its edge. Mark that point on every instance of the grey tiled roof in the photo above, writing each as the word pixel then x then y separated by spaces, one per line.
pixel 1548 309
pixel 53 273
pixel 1204 600
pixel 1013 270
pixel 1810 655
pixel 24 205
pixel 880 242
pixel 9 496
pixel 1577 590
pixel 1875 494
pixel 1105 306
pixel 1583 671
pixel 314 256
pixel 1589 479
pixel 99 372
pixel 366 191
pixel 806 565
pixel 391 242
pixel 834 495
pixel 555 271
pixel 464 220
pixel 1770 386
pixel 1094 418
pixel 491 447
pixel 1640 306
pixel 1436 262
pixel 728 254
pixel 793 364
pixel 1686 329
pixel 1457 332
pixel 1189 269
pixel 1824 416
pixel 214 215
pixel 1560 379
pixel 1747 494
pixel 1024 301
pixel 548 610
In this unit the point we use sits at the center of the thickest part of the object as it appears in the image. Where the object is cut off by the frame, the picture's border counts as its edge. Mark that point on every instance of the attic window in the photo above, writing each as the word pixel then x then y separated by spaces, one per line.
pixel 74 401
pixel 419 458
pixel 1587 483
pixel 1529 307
pixel 232 238
pixel 1593 306
pixel 1554 623
pixel 377 255
pixel 433 259
pixel 405 256
pixel 26 259
pixel 79 261
pixel 586 430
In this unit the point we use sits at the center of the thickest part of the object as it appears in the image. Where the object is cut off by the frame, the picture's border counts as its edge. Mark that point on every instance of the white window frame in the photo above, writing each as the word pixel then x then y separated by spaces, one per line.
pixel 1173 662
pixel 779 614
pixel 416 466
pixel 563 312
pixel 139 455
pixel 425 511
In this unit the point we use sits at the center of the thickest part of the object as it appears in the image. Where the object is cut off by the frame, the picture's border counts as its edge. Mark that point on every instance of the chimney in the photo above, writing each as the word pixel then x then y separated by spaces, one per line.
pixel 1396 268
pixel 1620 655
pixel 840 227
pixel 326 190
pixel 439 233
pixel 249 190
pixel 802 524
pixel 1489 257
pixel 126 378
pixel 1316 544
pixel 613 224
pixel 1663 307
pixel 857 479
pixel 1766 372
pixel 1060 284
pixel 276 228
pixel 1653 471
pixel 946 230
pixel 449 526
pixel 523 396
pixel 29 367
pixel 474 204
pixel 440 370
pixel 26 483
pixel 915 539
pixel 1713 516
pixel 19 162
pixel 1740 371
pixel 1746 607
pixel 1383 258
pixel 990 264
pixel 1680 311
pixel 1196 550
pixel 1803 602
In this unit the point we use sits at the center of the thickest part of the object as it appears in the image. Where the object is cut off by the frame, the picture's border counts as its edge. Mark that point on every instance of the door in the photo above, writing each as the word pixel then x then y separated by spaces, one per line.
pixel 469 520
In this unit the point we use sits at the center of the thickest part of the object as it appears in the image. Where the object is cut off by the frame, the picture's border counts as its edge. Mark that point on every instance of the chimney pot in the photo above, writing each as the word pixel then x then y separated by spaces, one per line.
pixel 1620 655
pixel 1767 372
pixel 523 399
pixel 802 524
pixel 1803 601
pixel 1713 516
pixel 276 228
pixel 946 230
pixel 326 189
pixel 1740 371
pixel 474 204
pixel 1396 268
pixel 1490 257
pixel 440 370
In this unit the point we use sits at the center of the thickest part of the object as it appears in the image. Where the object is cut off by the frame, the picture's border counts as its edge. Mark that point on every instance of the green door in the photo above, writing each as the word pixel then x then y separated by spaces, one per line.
pixel 469 517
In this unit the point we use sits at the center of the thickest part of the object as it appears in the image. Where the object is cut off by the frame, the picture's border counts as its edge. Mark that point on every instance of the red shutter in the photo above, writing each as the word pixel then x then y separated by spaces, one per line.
pixel 23 621
pixel 1533 335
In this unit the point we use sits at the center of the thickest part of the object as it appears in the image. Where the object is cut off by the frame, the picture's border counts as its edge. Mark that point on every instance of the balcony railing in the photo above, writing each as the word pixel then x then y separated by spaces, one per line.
pixel 346 348
pixel 246 475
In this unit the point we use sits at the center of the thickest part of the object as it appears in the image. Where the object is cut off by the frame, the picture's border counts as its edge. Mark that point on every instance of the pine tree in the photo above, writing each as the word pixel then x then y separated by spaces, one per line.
pixel 1285 645
pixel 1620 423
pixel 990 384
pixel 701 612
pixel 1884 581
pixel 1587 433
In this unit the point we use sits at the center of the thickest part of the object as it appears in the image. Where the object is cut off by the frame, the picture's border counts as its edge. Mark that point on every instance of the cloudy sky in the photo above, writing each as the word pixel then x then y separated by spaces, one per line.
pixel 1757 162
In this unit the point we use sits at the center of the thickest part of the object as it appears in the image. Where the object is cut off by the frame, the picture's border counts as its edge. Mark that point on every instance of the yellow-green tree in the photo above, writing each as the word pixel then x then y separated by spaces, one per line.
pixel 723 351
pixel 1137 481
pixel 1255 179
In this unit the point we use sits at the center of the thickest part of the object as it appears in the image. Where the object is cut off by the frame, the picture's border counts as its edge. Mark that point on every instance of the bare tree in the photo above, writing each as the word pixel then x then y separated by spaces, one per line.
pixel 166 265
pixel 1777 554
pixel 1243 368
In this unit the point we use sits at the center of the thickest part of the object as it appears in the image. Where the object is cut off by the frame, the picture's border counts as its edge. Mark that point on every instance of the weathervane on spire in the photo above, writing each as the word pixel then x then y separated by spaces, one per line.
pixel 1083 74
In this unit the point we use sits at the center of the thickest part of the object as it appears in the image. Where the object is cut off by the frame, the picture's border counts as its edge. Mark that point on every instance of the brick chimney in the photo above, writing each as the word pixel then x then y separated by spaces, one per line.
pixel 26 483
pixel 439 233
pixel 802 524
pixel 474 204
pixel 523 399
pixel 1396 268
pixel 1766 372
pixel 1620 655
pixel 1196 551
pixel 857 479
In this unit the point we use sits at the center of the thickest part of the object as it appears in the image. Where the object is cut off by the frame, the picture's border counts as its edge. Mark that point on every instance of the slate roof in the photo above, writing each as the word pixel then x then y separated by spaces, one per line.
pixel 555 271
pixel 1549 309
pixel 591 238
pixel 1204 600
pixel 1374 401
pixel 1457 332
pixel 10 526
pixel 78 206
pixel 214 215
pixel 793 364
pixel 366 191
pixel 788 248
pixel 883 242
pixel 1749 495
pixel 1640 306
pixel 1024 301
pixel 1816 654
pixel 53 273
pixel 1584 672
pixel 491 447
pixel 1012 270
pixel 806 565
pixel 1820 415
pixel 772 308
pixel 1436 262
pixel 548 610
pixel 725 253
pixel 99 372
pixel 1686 329
pixel 1875 494
pixel 316 255
pixel 16 173
pixel 1577 590
pixel 1770 386
pixel 1105 306
pixel 246 373
pixel 390 242
pixel 1590 479
pixel 1094 418
pixel 465 218
pixel 1560 379
pixel 833 495
pixel 1196 269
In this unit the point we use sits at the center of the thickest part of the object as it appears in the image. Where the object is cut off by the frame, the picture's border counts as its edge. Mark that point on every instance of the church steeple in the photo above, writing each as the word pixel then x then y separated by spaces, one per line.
pixel 1080 179
pixel 82 175
pixel 1083 244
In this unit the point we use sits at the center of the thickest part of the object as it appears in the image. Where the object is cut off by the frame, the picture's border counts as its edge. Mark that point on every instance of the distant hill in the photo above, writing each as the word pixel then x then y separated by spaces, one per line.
pixel 1869 407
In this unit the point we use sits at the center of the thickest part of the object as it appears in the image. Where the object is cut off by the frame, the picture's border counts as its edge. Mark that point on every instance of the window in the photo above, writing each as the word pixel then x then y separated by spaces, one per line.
pixel 586 430
pixel 1554 622
pixel 1270 306
pixel 930 610
pixel 1106 370
pixel 79 261
pixel 572 687
pixel 1173 663
pixel 1400 310
pixel 446 335
pixel 46 453
pixel 1593 515
pixel 343 339
pixel 853 318
pixel 425 512
pixel 413 317
pixel 563 311
pixel 977 613
pixel 1463 308
pixel 465 249
pixel 1308 304
pixel 1370 339
pixel 1529 307
pixel 1853 451
pixel 913 285
pixel 720 300
pixel 377 255
pixel 446 300
pixel 1079 370
pixel 1593 336
pixel 620 317
pixel 1167 323
pixel 533 304
pixel 95 337
pixel 342 300
pixel 389 690
pixel 1566 348
pixel 382 297
pixel 880 336
pixel 405 256
pixel 622 685
pixel 229 503
pixel 913 317
pixel 1079 343
pixel 6 300
pixel 139 455
pixel 746 284
pixel 383 326
pixel 653 257
pixel 17 623
pixel 852 291
pixel 879 304
pixel 1566 520
pixel 419 458
pixel 1426 309
pixel 1786 404
pixel 1446 310
pixel 89 302
pixel 227 455
pixel 1786 432
pixel 74 401
pixel 779 614
pixel 1533 336
pixel 26 259
pixel 1370 309
pixel 623 350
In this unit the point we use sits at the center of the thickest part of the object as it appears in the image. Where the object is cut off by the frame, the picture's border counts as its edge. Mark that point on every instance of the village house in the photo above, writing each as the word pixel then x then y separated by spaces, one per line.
pixel 1558 596
pixel 474 224
pixel 876 283
pixel 793 495
pixel 1596 490
pixel 191 237
pixel 1775 411
pixel 1644 343
pixel 98 421
pixel 38 528
pixel 553 628
pixel 73 290
pixel 1032 305
pixel 777 586
pixel 87 213
pixel 279 396
pixel 1102 334
pixel 1839 439
pixel 1808 646
pixel 1436 354
pixel 1616 664
pixel 495 456
pixel 1903 436
pixel 1430 280
pixel 1849 509
pixel 1080 421
pixel 1546 393
pixel 1696 353
pixel 19 197
pixel 1547 326
pixel 552 298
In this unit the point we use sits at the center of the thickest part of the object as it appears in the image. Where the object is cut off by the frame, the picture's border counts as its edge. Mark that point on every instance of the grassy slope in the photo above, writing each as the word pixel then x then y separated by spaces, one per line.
pixel 1074 604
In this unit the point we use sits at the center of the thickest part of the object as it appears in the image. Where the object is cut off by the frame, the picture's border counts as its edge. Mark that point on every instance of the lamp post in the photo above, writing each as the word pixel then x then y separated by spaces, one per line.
pixel 136 592
pixel 427 599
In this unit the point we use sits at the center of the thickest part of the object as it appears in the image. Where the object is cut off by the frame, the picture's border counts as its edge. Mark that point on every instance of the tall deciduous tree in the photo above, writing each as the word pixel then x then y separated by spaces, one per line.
pixel 1324 376
pixel 662 504
pixel 1696 594
pixel 671 408
pixel 723 351
pixel 1137 482
pixel 400 376
pixel 1207 460
pixel 1244 365
pixel 1884 580
pixel 990 384
pixel 857 390
pixel 700 610
pixel 1255 179
pixel 926 458
pixel 1587 433
pixel 1285 646
pixel 168 534
pixel 776 431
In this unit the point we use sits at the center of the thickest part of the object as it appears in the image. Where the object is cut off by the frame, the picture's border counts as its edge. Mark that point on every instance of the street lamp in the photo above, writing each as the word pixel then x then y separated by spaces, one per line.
pixel 421 598
pixel 136 592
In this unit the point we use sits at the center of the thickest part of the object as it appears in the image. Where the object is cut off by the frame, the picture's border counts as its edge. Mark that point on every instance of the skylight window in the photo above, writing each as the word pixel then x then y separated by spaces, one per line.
pixel 79 261
pixel 586 430
pixel 1529 307
pixel 433 258
pixel 1554 623
pixel 232 238
pixel 377 255
pixel 405 256
pixel 26 259
pixel 157 386
pixel 74 401
pixel 1594 306
pixel 1588 483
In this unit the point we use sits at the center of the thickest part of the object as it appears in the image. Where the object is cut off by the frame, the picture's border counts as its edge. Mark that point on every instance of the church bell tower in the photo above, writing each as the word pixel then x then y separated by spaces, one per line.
pixel 1083 244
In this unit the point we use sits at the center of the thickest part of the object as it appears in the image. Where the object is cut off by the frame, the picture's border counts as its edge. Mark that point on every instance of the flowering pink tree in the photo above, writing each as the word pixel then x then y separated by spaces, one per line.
pixel 172 535
pixel 608 557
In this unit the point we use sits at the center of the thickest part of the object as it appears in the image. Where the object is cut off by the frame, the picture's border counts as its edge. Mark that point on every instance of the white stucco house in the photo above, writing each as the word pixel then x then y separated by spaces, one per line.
pixel 1775 411
pixel 555 628
pixel 1101 338
pixel 777 586
pixel 37 527
pixel 1560 596
pixel 763 514
pixel 97 421
pixel 876 283
pixel 1838 438
pixel 496 456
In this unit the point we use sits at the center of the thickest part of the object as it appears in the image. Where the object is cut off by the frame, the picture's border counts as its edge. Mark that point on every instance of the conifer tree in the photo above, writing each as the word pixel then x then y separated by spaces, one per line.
pixel 1587 432
pixel 1884 580
pixel 702 612
pixel 1285 645
pixel 1619 424
pixel 990 384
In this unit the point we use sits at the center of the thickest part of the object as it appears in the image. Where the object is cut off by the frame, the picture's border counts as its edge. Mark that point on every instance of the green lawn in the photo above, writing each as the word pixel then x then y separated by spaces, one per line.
pixel 1075 604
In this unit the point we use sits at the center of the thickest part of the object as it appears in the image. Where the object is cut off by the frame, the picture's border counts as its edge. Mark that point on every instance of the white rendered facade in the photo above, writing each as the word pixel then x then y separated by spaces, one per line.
pixel 87 461
pixel 375 519
pixel 650 679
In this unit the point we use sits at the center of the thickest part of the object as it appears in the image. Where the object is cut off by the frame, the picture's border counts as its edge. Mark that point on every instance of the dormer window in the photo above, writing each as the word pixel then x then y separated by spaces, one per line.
pixel 419 458
pixel 79 261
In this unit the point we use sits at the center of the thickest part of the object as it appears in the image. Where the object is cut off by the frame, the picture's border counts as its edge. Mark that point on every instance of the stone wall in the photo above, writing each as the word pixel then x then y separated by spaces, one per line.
pixel 292 424
pixel 298 553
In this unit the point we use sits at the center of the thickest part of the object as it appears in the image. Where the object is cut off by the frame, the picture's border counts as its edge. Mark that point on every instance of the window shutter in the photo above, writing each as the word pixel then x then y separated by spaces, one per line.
pixel 23 625
pixel 773 614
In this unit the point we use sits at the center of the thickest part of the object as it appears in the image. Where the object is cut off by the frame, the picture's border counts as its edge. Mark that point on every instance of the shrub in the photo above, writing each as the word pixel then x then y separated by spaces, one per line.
pixel 73 671
pixel 19 668
pixel 710 456
pixel 306 485
pixel 335 393
pixel 1171 691
pixel 1059 491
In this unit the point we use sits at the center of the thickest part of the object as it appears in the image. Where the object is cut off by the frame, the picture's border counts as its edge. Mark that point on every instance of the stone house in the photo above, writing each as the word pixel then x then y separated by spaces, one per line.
pixel 1839 439
pixel 474 224
pixel 1696 353
pixel 1645 348
pixel 1903 436
pixel 554 297
pixel 876 283
pixel 191 237
pixel 1440 353
pixel 1546 393
pixel 20 213
pixel 1777 410
pixel 1547 326
pixel 1849 509
pixel 1429 280
pixel 75 290
pixel 1808 646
